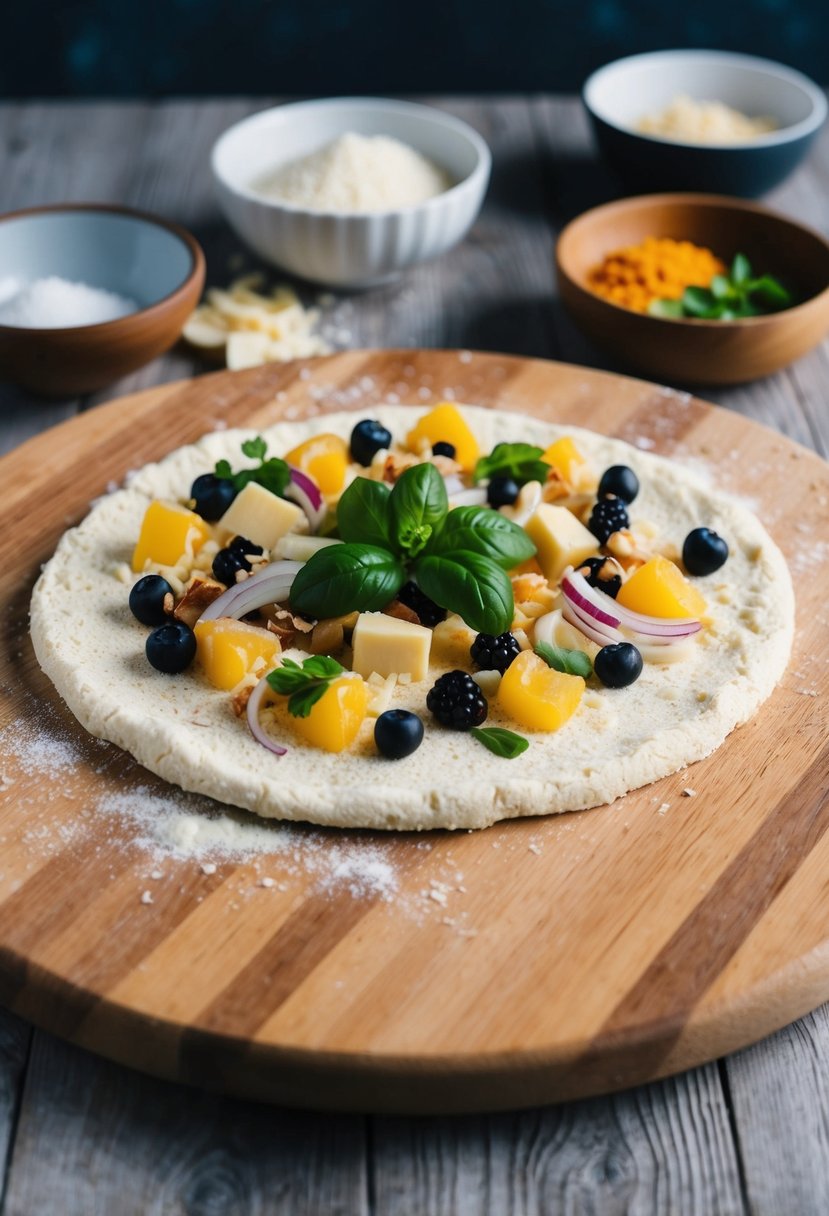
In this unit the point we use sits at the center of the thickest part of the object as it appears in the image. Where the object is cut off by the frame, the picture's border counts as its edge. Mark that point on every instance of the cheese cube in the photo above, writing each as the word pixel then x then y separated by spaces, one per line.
pixel 168 533
pixel 560 539
pixel 387 645
pixel 261 516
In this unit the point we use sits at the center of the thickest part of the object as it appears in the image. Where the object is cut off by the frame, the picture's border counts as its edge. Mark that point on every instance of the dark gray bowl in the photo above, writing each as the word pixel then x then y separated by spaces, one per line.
pixel 618 95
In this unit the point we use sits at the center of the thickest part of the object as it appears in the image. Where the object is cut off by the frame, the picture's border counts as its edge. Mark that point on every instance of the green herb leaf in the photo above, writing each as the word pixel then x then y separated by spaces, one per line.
pixel 469 584
pixel 518 460
pixel 668 309
pixel 363 513
pixel 698 302
pixel 346 578
pixel 417 504
pixel 484 531
pixel 501 742
pixel 273 474
pixel 571 662
pixel 304 685
pixel 771 292
pixel 740 269
pixel 255 448
pixel 722 288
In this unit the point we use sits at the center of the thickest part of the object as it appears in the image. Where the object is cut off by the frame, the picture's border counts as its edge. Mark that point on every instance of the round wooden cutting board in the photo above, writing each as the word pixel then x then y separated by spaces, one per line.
pixel 537 960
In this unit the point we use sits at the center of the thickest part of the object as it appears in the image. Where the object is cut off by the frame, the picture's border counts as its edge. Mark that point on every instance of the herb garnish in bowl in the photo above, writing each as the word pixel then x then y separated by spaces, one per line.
pixel 729 297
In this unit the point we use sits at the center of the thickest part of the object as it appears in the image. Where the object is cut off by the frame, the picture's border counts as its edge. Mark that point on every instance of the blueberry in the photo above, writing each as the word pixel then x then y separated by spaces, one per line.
pixel 226 563
pixel 621 481
pixel 147 599
pixel 502 491
pixel 444 449
pixel 367 438
pixel 704 551
pixel 618 665
pixel 172 647
pixel 398 733
pixel 212 495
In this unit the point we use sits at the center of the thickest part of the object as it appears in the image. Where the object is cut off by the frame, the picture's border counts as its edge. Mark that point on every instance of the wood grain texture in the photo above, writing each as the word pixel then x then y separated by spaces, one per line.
pixel 155 155
pixel 630 945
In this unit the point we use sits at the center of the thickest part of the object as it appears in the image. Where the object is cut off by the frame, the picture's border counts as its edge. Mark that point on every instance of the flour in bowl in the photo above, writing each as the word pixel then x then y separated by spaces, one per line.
pixel 356 173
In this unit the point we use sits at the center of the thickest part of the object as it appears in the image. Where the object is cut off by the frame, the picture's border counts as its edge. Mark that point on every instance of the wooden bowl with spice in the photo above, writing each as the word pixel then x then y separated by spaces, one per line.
pixel 90 292
pixel 747 288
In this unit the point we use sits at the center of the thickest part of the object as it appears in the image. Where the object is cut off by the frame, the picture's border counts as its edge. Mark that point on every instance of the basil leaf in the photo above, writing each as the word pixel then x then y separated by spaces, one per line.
pixel 304 700
pixel 500 742
pixel 484 531
pixel 417 504
pixel 771 292
pixel 518 460
pixel 470 585
pixel 698 301
pixel 666 308
pixel 740 269
pixel 255 448
pixel 223 469
pixel 346 578
pixel 722 288
pixel 322 667
pixel 571 662
pixel 363 513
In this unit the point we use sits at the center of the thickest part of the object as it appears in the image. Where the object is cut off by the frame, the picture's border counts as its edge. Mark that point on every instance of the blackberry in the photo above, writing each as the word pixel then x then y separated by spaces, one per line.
pixel 457 701
pixel 600 572
pixel 608 516
pixel 226 563
pixel 241 544
pixel 494 653
pixel 428 611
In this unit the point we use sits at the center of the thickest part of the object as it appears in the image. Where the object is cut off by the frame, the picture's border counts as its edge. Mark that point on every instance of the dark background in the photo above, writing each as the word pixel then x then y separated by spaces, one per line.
pixel 123 48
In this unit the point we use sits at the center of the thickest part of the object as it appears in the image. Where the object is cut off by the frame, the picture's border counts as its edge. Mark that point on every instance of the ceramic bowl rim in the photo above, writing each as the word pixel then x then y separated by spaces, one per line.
pixel 478 173
pixel 762 67
pixel 119 325
pixel 722 202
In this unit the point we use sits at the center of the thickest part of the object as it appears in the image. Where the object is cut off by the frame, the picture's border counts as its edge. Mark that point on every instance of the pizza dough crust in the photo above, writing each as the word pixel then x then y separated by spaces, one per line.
pixel 92 649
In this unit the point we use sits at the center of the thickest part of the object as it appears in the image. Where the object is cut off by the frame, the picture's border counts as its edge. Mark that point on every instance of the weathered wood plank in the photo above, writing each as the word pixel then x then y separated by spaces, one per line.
pixel 94 1139
pixel 660 1148
pixel 780 1095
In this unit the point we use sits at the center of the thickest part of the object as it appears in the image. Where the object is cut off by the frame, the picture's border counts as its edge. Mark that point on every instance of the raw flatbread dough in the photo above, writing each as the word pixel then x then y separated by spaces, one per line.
pixel 179 727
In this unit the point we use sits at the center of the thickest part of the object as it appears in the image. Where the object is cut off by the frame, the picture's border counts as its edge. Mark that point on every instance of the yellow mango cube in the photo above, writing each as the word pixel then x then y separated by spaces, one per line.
pixel 536 696
pixel 228 650
pixel 323 457
pixel 168 532
pixel 659 588
pixel 335 720
pixel 564 457
pixel 446 424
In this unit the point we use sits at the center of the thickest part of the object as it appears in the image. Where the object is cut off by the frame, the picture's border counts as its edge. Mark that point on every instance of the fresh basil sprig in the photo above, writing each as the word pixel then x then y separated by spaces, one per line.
pixel 729 296
pixel 304 684
pixel 500 742
pixel 571 662
pixel 521 461
pixel 459 558
pixel 274 474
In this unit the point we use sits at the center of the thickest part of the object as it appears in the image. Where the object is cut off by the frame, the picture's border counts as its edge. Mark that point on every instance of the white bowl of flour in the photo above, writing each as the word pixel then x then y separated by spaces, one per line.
pixel 349 192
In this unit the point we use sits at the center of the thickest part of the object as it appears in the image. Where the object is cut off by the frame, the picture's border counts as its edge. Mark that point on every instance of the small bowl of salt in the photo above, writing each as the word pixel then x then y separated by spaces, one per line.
pixel 349 192
pixel 90 292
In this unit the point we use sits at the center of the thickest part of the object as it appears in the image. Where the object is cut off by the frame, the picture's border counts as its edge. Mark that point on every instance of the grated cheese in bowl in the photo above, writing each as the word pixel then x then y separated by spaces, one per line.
pixel 704 122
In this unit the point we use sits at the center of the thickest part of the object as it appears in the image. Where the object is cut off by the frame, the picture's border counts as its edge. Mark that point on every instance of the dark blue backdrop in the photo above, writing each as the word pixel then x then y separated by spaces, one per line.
pixel 155 47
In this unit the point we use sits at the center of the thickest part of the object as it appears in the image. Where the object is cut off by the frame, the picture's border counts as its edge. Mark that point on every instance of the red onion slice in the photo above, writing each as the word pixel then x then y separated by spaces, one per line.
pixel 605 610
pixel 253 708
pixel 578 591
pixel 602 635
pixel 305 492
pixel 270 586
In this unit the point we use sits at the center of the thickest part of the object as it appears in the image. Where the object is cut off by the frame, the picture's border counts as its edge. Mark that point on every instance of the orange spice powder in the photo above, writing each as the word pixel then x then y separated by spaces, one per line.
pixel 658 269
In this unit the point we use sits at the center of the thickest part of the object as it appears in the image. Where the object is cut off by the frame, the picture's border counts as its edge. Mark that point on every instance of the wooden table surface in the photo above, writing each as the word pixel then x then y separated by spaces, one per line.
pixel 78 1135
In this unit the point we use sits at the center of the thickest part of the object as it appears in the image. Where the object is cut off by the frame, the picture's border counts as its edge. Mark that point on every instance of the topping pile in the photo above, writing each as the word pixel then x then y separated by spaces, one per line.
pixel 316 586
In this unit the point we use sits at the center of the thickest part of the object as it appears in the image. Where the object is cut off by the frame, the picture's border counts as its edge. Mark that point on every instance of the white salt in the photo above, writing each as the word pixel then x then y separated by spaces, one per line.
pixel 55 303
pixel 356 173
